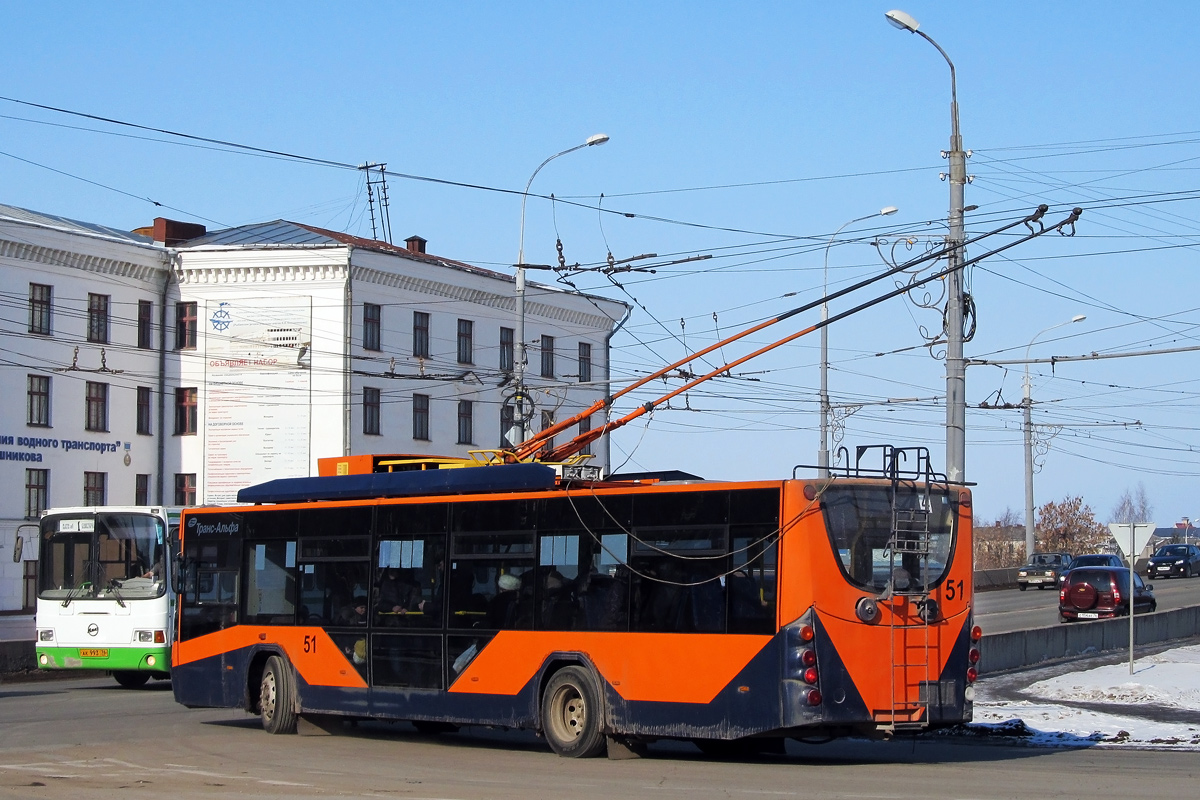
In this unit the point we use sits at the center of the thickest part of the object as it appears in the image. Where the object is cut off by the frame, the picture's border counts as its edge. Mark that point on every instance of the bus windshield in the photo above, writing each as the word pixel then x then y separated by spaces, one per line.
pixel 860 520
pixel 102 556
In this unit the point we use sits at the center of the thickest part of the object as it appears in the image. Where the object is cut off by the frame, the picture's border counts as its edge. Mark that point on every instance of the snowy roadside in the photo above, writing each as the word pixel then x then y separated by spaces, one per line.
pixel 1157 707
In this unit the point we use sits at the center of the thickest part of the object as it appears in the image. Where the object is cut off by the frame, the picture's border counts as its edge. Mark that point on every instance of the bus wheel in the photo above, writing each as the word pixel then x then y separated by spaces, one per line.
pixel 277 697
pixel 130 679
pixel 571 714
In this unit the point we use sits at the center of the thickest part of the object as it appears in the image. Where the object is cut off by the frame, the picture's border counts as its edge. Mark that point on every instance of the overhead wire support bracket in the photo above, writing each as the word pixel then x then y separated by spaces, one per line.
pixel 530 448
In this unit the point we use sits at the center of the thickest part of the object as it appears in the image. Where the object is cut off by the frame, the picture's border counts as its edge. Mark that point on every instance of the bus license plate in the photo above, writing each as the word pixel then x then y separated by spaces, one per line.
pixel 92 652
pixel 1088 615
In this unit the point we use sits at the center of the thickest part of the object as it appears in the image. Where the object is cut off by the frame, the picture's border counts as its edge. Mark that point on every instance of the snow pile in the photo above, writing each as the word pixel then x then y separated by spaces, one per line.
pixel 1158 706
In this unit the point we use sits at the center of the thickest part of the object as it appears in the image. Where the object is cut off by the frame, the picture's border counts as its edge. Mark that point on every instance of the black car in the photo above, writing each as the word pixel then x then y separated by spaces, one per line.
pixel 1102 592
pixel 1091 560
pixel 1043 570
pixel 1174 559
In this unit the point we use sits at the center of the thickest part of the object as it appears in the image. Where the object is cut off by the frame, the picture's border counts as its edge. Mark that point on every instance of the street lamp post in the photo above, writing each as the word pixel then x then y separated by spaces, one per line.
pixel 1026 404
pixel 520 357
pixel 956 372
pixel 823 450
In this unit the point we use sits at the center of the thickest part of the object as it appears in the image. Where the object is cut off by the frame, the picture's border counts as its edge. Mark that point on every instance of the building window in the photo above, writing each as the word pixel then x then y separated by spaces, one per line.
pixel 466 336
pixel 585 425
pixel 96 406
pixel 97 331
pixel 547 356
pixel 185 411
pixel 145 325
pixel 420 334
pixel 507 422
pixel 585 362
pixel 370 411
pixel 141 490
pixel 421 416
pixel 38 402
pixel 372 324
pixel 466 421
pixel 185 326
pixel 39 308
pixel 506 349
pixel 37 489
pixel 144 393
pixel 185 489
pixel 547 422
pixel 95 488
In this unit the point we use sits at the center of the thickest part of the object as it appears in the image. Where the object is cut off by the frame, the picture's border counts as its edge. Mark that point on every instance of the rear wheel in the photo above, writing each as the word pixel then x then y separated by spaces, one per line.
pixel 277 697
pixel 130 679
pixel 1022 586
pixel 571 713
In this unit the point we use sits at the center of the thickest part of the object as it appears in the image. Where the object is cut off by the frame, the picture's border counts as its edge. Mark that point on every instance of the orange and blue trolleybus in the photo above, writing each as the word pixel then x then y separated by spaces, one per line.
pixel 608 611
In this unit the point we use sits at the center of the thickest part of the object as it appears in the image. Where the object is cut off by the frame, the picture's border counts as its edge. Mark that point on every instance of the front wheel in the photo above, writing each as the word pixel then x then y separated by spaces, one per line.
pixel 1022 586
pixel 571 714
pixel 277 697
pixel 130 679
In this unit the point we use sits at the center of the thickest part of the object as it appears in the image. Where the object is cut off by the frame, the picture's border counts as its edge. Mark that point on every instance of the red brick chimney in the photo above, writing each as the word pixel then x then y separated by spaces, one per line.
pixel 415 244
pixel 171 232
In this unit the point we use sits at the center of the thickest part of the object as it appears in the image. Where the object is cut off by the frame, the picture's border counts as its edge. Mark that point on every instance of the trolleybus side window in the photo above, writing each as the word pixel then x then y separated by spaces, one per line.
pixel 271 583
pixel 582 573
pixel 410 566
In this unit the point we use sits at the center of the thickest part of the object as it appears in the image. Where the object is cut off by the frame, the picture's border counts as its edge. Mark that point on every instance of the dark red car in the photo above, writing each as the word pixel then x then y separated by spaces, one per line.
pixel 1102 592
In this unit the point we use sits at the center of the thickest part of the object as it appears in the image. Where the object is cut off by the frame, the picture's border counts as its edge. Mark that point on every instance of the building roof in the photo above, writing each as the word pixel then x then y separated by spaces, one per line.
pixel 25 216
pixel 282 233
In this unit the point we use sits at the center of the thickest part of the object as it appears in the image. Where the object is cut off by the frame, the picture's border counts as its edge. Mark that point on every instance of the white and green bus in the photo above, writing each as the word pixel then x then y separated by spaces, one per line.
pixel 105 596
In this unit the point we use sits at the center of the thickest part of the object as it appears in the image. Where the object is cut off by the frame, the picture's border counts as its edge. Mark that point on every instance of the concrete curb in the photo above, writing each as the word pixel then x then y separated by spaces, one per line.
pixel 1003 651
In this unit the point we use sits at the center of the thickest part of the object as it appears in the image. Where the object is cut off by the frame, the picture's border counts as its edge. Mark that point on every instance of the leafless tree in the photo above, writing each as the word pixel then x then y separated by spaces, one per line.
pixel 1133 506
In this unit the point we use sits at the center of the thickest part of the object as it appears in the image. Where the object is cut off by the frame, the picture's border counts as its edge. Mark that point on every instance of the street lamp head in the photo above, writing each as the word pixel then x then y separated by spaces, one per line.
pixel 902 21
pixel 596 138
pixel 1079 318
pixel 887 211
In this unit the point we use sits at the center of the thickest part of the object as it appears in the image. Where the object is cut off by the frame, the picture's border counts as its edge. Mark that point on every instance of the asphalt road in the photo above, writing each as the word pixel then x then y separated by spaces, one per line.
pixel 1007 610
pixel 77 738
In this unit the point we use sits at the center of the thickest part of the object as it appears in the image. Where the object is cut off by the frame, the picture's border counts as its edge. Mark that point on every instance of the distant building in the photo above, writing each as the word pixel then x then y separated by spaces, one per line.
pixel 175 366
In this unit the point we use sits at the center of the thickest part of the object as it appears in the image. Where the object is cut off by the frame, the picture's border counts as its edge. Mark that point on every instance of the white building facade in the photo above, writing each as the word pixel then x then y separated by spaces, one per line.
pixel 179 367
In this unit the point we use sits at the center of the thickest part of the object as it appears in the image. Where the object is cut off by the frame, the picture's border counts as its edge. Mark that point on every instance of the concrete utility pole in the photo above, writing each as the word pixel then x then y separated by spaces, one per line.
pixel 1027 404
pixel 956 372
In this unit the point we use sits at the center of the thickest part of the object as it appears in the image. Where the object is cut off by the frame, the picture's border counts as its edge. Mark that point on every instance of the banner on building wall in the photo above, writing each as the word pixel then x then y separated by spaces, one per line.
pixel 258 393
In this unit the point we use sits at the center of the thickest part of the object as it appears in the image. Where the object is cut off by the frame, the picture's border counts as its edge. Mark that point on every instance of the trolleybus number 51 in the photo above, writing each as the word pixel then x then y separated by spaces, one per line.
pixel 310 644
pixel 952 590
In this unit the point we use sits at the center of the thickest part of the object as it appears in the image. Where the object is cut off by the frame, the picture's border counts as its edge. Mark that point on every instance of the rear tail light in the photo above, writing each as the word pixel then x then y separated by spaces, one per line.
pixel 972 674
pixel 808 658
pixel 976 633
pixel 807 633
pixel 1116 596
pixel 814 697
pixel 973 656
pixel 810 675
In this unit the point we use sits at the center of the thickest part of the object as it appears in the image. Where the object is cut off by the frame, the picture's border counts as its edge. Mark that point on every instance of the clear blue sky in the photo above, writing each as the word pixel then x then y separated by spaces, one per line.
pixel 783 120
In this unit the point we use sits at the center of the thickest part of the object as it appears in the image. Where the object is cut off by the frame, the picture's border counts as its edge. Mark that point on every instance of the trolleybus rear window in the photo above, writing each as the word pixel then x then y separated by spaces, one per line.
pixel 862 522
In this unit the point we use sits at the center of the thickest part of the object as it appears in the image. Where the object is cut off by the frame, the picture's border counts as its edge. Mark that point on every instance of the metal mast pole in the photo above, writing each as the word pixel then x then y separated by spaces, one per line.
pixel 520 357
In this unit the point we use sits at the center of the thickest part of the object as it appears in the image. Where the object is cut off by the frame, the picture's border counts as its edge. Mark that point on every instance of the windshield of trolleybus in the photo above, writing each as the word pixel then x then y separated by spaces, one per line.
pixel 859 518
pixel 102 556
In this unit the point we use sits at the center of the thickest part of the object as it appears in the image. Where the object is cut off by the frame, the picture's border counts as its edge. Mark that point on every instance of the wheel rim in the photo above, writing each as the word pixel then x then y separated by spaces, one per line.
pixel 569 714
pixel 268 695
